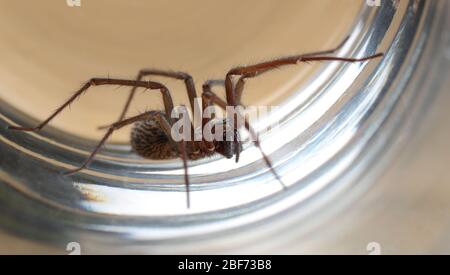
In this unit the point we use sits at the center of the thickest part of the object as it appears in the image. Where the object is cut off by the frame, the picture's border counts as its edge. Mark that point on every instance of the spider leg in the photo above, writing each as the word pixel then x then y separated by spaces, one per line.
pixel 239 87
pixel 207 87
pixel 168 104
pixel 190 88
pixel 184 157
pixel 234 92
pixel 166 126
pixel 213 98
pixel 206 102
pixel 188 80
pixel 183 154
pixel 209 98
pixel 112 128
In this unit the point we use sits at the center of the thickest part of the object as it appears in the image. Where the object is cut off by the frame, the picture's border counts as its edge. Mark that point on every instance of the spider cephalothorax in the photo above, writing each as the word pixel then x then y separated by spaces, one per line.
pixel 151 136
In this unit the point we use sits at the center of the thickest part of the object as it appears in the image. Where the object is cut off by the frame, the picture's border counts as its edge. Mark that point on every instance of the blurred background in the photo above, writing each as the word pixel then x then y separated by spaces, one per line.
pixel 56 48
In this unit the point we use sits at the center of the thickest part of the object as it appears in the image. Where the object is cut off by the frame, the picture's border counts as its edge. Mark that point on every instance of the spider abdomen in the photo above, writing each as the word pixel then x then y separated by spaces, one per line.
pixel 150 141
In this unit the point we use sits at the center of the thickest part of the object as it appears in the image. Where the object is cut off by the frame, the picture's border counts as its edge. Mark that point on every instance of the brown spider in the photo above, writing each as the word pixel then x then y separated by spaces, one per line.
pixel 151 135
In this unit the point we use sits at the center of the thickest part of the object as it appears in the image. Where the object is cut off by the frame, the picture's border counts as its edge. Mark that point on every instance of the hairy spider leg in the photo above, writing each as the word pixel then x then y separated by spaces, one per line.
pixel 148 85
pixel 166 126
pixel 190 88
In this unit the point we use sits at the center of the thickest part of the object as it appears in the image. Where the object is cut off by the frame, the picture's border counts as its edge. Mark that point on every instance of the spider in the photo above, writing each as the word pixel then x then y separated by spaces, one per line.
pixel 151 134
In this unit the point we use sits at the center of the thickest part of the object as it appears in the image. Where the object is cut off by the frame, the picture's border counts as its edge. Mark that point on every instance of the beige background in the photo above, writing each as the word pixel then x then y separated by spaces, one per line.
pixel 48 49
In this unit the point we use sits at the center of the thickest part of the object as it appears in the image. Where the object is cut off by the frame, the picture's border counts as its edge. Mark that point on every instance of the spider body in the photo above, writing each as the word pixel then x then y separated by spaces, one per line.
pixel 149 140
pixel 151 135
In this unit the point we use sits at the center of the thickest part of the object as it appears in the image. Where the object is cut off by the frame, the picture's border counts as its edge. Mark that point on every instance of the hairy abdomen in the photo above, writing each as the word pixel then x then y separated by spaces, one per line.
pixel 150 141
